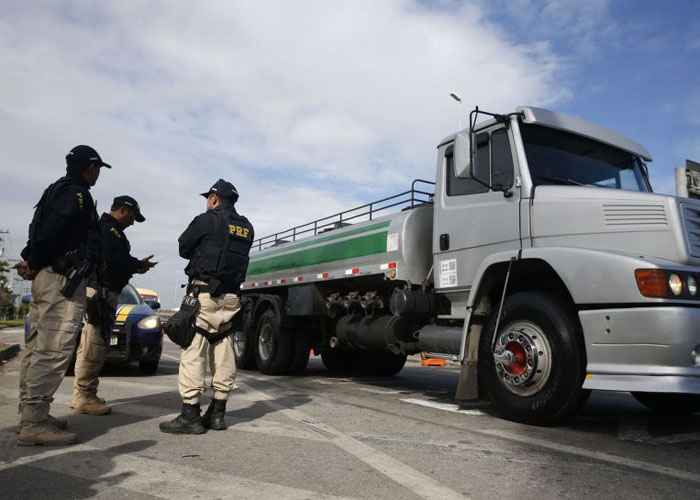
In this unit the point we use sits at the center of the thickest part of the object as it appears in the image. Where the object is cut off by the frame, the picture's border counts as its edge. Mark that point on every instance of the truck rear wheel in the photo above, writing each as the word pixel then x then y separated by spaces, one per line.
pixel 274 346
pixel 301 352
pixel 387 364
pixel 337 361
pixel 533 367
pixel 669 403
pixel 244 343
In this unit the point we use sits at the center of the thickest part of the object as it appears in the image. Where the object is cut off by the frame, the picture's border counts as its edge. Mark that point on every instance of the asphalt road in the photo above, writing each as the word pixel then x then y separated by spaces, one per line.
pixel 318 436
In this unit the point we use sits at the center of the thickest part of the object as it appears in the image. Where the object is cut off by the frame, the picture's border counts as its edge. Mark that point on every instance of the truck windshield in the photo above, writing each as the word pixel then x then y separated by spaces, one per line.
pixel 562 158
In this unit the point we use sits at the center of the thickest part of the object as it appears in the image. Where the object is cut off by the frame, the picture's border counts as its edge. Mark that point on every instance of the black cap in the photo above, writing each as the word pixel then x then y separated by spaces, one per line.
pixel 129 202
pixel 224 189
pixel 83 156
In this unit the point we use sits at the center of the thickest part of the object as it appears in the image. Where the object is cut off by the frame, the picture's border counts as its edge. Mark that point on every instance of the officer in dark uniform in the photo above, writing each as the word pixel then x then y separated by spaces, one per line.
pixel 62 250
pixel 102 296
pixel 217 244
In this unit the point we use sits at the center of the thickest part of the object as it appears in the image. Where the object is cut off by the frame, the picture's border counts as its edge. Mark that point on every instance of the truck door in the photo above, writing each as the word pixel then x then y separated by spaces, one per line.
pixel 472 221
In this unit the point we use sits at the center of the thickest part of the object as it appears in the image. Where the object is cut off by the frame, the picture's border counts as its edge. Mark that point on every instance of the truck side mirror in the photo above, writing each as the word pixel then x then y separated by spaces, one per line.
pixel 462 156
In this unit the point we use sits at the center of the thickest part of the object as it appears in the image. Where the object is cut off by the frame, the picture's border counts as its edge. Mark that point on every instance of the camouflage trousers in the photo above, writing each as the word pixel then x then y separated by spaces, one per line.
pixel 54 326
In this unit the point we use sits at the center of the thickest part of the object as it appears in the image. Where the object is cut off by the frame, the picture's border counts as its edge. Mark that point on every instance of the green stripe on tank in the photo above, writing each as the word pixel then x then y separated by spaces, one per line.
pixel 290 247
pixel 341 250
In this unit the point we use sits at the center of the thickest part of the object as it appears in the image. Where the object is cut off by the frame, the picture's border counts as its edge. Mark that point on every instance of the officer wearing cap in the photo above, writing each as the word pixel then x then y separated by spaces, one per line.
pixel 118 266
pixel 217 244
pixel 63 246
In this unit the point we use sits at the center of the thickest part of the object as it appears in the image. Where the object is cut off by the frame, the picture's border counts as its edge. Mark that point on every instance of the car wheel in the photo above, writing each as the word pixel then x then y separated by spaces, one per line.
pixel 533 368
pixel 669 403
pixel 148 367
pixel 274 347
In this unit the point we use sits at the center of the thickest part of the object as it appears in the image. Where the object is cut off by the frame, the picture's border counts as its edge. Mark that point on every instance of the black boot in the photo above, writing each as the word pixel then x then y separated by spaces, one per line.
pixel 214 416
pixel 187 422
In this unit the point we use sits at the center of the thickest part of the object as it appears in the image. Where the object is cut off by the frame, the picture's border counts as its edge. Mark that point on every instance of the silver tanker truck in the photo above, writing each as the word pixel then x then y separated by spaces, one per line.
pixel 540 259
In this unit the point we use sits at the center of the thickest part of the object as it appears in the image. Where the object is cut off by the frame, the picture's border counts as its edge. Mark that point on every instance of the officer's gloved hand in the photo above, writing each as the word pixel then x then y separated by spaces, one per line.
pixel 146 265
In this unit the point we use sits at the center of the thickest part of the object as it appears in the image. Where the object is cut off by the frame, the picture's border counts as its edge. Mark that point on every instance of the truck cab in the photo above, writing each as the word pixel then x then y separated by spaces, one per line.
pixel 547 233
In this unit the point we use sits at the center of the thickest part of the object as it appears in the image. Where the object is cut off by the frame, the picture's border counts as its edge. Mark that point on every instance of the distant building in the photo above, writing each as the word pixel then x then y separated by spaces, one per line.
pixel 19 286
pixel 688 180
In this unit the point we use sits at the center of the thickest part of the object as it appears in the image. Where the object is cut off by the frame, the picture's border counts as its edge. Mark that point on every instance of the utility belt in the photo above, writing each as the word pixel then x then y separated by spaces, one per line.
pixel 196 287
pixel 66 263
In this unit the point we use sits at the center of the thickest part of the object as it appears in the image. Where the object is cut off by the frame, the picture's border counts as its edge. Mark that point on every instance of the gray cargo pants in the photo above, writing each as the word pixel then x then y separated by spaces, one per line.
pixel 54 326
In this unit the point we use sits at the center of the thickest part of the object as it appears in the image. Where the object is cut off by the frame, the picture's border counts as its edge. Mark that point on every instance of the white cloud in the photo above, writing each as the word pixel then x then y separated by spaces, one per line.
pixel 308 107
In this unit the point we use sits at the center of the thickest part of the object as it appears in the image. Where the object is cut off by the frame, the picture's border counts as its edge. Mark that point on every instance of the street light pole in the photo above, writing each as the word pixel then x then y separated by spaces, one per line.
pixel 457 98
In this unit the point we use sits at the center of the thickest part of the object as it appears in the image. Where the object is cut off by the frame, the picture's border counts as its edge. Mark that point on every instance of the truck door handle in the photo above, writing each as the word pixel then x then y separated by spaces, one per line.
pixel 444 242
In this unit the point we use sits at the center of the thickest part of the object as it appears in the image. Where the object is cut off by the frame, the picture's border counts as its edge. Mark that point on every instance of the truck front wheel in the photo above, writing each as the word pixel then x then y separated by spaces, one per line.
pixel 533 368
pixel 274 349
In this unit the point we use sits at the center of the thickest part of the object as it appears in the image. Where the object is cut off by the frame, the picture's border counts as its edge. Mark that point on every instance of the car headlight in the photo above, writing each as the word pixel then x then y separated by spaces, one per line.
pixel 149 323
pixel 675 283
pixel 692 286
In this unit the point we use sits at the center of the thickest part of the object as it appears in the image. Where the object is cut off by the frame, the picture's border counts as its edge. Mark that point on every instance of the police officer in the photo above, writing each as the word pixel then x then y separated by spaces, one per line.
pixel 63 245
pixel 217 244
pixel 118 266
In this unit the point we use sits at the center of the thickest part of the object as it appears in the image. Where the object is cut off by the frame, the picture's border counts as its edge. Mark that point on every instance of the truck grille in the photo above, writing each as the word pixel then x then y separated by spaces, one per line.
pixel 632 214
pixel 691 223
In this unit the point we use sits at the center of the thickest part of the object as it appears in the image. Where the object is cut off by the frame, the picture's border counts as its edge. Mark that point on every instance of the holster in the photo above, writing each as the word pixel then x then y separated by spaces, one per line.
pixel 180 328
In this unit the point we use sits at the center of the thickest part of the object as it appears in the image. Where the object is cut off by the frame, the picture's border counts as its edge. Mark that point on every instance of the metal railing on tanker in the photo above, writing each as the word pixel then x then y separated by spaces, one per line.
pixel 407 200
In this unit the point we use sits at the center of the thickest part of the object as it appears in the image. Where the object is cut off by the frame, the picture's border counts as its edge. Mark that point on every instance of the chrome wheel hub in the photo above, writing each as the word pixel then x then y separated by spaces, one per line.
pixel 265 341
pixel 523 358
pixel 239 342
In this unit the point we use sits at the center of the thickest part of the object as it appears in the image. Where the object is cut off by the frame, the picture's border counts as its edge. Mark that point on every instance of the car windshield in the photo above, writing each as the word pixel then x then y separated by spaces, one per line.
pixel 562 158
pixel 129 295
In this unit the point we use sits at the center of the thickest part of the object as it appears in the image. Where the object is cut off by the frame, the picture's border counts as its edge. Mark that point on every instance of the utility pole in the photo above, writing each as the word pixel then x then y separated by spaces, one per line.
pixel 2 241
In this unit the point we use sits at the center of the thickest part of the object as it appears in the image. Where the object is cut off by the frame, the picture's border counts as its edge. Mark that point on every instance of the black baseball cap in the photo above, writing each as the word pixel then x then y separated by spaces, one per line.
pixel 83 156
pixel 224 189
pixel 129 202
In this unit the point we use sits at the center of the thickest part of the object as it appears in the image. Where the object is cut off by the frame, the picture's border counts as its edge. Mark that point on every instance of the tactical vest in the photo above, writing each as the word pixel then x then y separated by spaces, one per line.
pixel 223 256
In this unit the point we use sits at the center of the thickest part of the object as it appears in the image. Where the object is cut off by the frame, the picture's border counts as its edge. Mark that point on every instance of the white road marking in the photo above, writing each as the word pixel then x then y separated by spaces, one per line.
pixel 162 480
pixel 637 430
pixel 595 455
pixel 381 391
pixel 416 481
pixel 451 407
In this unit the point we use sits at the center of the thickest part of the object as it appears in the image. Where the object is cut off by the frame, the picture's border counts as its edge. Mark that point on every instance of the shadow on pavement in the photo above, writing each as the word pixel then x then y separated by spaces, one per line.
pixel 73 474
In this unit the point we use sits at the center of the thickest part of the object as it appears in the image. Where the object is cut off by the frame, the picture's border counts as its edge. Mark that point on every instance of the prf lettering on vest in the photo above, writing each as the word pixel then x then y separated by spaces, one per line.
pixel 239 231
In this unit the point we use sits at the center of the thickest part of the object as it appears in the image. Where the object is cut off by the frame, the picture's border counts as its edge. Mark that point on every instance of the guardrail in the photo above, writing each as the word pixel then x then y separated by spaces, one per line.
pixel 407 200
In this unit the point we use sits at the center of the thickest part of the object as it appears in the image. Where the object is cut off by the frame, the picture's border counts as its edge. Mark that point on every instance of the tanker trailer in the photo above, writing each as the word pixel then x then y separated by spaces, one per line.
pixel 355 292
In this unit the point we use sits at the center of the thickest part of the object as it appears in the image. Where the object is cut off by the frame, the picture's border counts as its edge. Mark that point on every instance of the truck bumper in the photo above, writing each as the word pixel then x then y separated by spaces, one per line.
pixel 645 349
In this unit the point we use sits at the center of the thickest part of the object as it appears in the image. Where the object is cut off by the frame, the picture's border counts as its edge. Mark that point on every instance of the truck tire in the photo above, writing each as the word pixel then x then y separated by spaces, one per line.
pixel 274 347
pixel 540 369
pixel 669 403
pixel 301 352
pixel 336 361
pixel 386 364
pixel 244 344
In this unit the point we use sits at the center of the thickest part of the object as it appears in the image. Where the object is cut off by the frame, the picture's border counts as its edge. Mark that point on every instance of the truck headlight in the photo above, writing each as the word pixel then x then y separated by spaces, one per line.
pixel 675 283
pixel 692 286
pixel 149 323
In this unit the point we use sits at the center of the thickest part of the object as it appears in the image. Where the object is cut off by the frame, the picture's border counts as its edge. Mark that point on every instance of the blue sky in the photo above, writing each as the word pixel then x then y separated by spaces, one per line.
pixel 311 107
pixel 630 65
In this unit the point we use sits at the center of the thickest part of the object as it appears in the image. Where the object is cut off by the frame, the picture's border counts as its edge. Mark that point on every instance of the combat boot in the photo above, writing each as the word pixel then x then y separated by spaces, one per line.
pixel 36 429
pixel 214 418
pixel 187 422
pixel 60 423
pixel 91 405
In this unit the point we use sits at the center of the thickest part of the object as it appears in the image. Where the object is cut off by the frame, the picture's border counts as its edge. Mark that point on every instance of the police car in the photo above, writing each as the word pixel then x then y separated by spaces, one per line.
pixel 137 334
